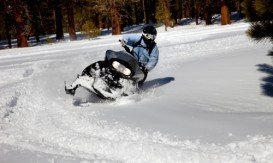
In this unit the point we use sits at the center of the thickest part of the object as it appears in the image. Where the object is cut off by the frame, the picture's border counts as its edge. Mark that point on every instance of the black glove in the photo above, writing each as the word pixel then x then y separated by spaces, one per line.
pixel 144 69
pixel 123 43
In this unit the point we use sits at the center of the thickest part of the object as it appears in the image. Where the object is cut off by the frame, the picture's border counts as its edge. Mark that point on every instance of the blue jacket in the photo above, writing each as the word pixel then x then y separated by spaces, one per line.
pixel 141 53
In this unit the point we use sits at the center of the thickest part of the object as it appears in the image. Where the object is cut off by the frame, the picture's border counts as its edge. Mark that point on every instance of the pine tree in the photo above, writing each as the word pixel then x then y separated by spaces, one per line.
pixel 143 9
pixel 19 11
pixel 33 9
pixel 115 17
pixel 114 12
pixel 6 18
pixel 260 14
pixel 208 12
pixel 58 20
pixel 163 12
pixel 175 9
pixel 150 11
pixel 198 11
pixel 70 17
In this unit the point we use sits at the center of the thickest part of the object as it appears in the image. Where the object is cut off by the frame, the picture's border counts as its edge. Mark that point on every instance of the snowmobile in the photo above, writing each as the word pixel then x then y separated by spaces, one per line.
pixel 117 75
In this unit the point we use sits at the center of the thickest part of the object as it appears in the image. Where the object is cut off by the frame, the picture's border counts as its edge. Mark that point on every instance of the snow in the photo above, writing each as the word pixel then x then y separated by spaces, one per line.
pixel 208 100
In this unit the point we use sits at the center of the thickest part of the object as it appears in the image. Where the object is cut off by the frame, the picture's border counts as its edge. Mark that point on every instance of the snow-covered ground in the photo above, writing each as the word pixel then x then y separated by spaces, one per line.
pixel 208 100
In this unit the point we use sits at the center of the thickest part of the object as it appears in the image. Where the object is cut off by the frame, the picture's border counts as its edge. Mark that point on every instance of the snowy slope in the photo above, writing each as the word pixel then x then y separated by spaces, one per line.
pixel 204 102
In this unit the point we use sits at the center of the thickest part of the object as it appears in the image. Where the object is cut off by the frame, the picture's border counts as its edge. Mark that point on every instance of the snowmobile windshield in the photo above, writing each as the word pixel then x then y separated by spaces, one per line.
pixel 121 68
pixel 126 60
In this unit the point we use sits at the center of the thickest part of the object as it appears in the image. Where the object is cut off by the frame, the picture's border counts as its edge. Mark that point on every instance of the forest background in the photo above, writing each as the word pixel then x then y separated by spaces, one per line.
pixel 25 19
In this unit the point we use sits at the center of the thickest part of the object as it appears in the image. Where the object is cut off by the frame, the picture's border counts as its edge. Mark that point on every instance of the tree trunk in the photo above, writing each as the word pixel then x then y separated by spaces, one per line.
pixel 144 11
pixel 6 21
pixel 116 26
pixel 150 11
pixel 136 14
pixel 186 12
pixel 8 36
pixel 208 14
pixel 180 10
pixel 36 29
pixel 165 14
pixel 147 10
pixel 70 16
pixel 197 6
pixel 18 12
pixel 58 20
pixel 192 10
pixel 33 7
pixel 225 16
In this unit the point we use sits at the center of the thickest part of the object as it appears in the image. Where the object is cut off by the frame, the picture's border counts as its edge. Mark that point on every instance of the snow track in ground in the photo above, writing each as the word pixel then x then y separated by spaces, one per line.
pixel 38 118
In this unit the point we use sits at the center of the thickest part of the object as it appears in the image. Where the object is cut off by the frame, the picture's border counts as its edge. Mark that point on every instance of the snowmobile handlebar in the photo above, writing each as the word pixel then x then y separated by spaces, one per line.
pixel 125 46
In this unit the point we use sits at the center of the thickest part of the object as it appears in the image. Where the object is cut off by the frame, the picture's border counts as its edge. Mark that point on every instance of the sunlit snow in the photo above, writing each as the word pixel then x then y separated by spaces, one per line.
pixel 206 101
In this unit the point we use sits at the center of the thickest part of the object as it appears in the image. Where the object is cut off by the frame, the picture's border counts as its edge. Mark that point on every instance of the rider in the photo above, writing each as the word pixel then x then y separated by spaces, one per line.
pixel 144 48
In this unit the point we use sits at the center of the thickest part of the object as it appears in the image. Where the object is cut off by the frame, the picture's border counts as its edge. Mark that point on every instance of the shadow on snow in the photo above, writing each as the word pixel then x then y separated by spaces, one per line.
pixel 267 85
pixel 156 83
